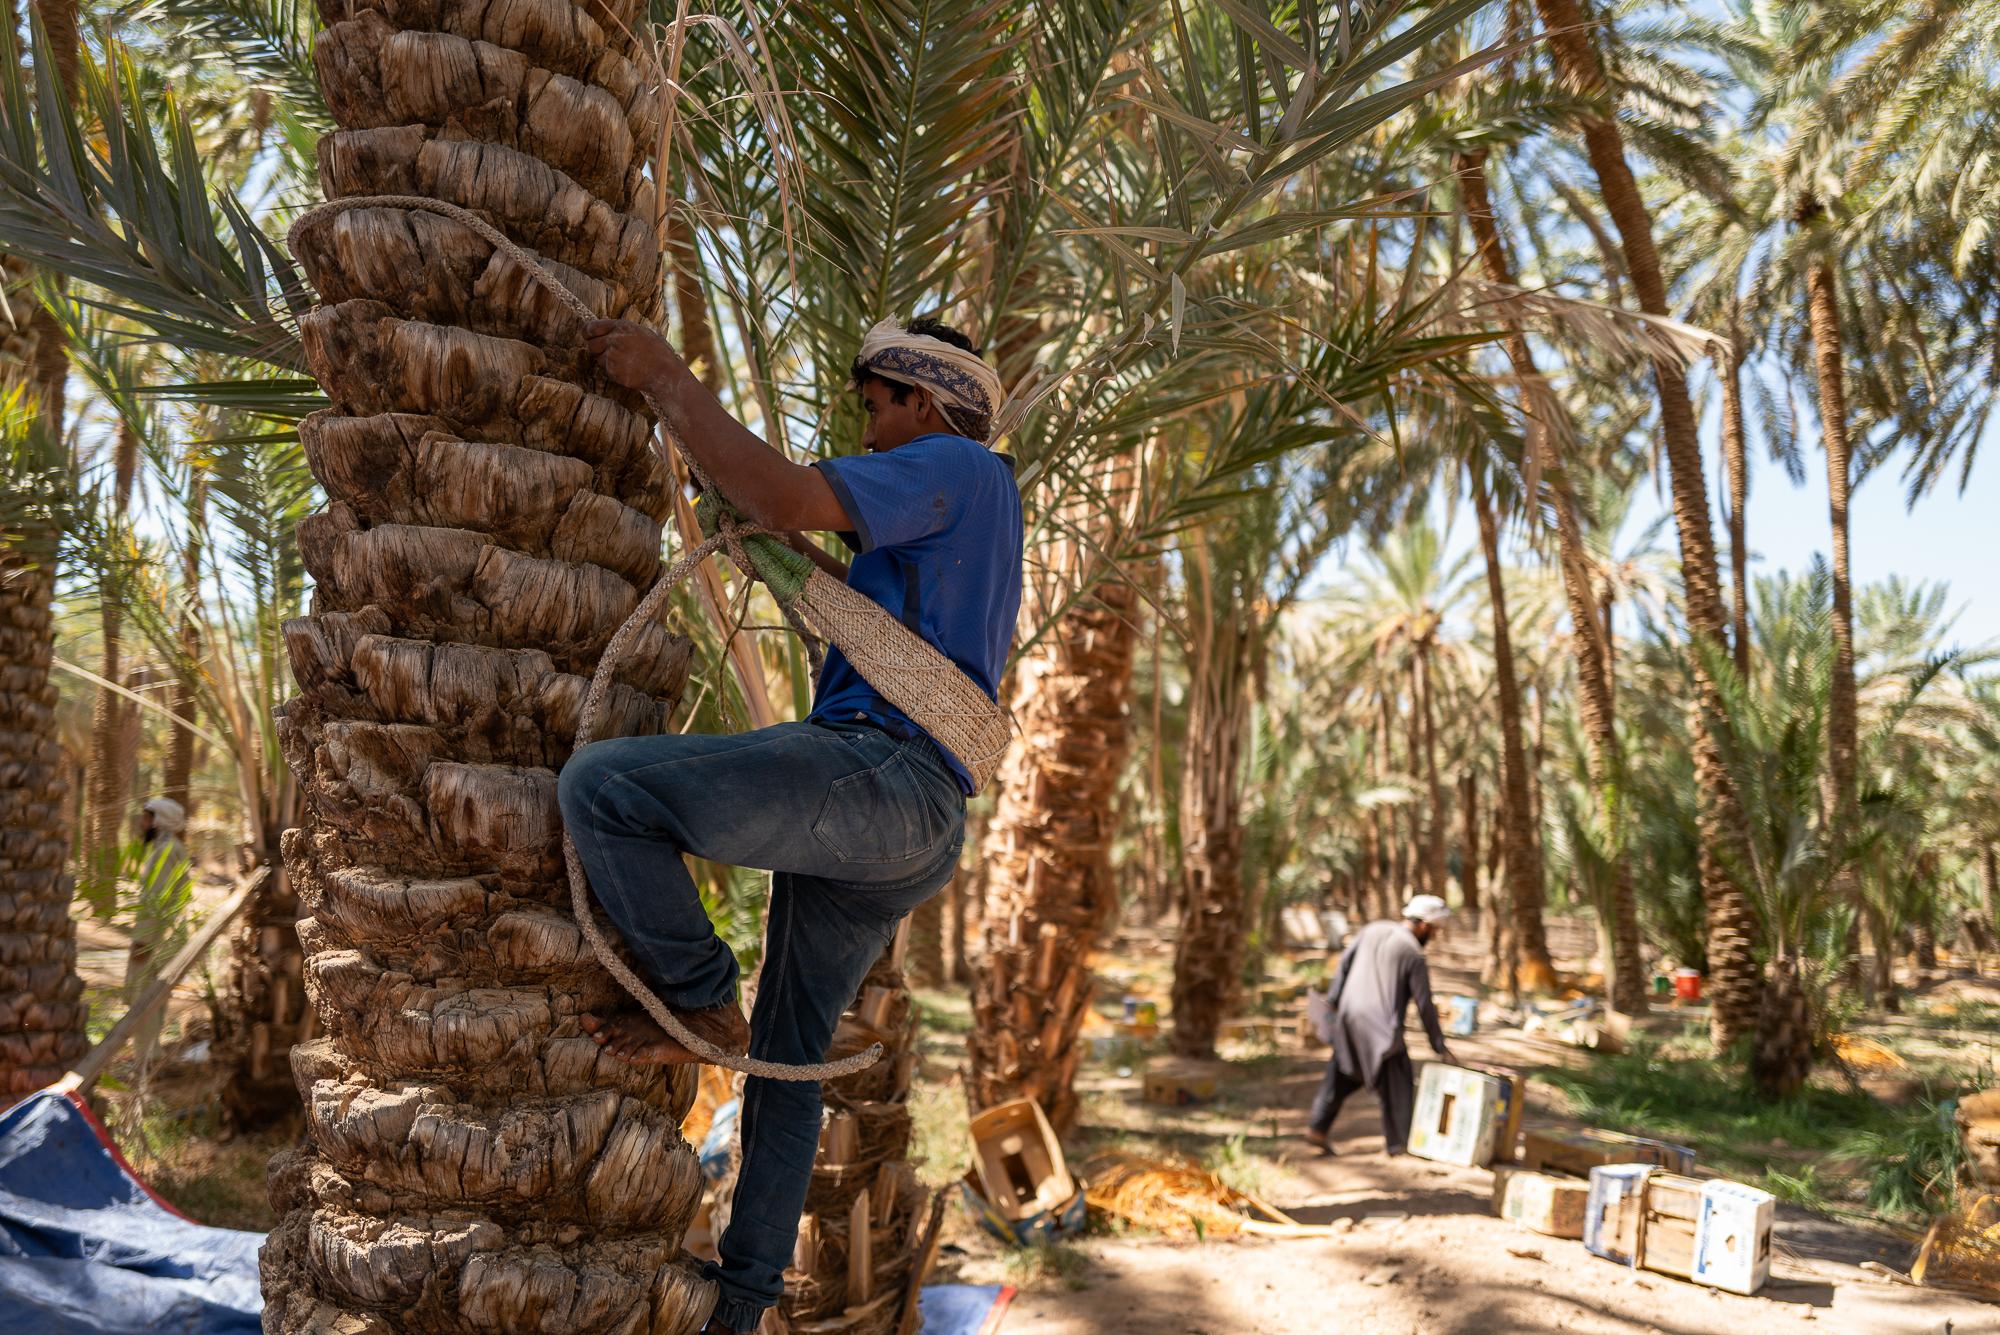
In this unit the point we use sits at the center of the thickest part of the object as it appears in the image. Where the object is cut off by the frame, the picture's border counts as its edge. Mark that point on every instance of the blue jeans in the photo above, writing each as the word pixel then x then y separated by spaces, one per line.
pixel 859 827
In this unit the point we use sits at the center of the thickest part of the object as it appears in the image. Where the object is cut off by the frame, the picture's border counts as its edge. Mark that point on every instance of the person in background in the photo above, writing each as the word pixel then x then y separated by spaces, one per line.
pixel 1381 973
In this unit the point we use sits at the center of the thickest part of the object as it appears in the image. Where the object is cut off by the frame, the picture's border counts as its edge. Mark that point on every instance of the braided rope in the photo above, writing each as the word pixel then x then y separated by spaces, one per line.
pixel 731 534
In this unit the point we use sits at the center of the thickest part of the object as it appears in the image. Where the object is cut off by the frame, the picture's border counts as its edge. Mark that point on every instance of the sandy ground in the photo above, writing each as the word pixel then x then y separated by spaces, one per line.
pixel 1421 1253
pixel 1418 1250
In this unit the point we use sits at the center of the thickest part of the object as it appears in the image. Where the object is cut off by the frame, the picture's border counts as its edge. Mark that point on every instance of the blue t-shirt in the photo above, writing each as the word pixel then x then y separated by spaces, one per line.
pixel 937 525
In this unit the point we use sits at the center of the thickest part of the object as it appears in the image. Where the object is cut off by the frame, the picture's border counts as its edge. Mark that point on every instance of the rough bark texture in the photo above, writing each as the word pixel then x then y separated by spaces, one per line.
pixel 41 997
pixel 472 1162
pixel 1735 979
pixel 1590 634
pixel 1050 890
pixel 1209 948
pixel 1525 947
pixel 1781 1055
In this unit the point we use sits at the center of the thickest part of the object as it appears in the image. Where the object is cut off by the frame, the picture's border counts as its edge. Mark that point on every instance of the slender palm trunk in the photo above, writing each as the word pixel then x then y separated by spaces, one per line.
pixel 1735 978
pixel 1823 312
pixel 110 770
pixel 1468 811
pixel 1207 953
pixel 1989 881
pixel 1526 948
pixel 1591 636
pixel 1440 814
pixel 472 1161
pixel 1736 465
pixel 178 780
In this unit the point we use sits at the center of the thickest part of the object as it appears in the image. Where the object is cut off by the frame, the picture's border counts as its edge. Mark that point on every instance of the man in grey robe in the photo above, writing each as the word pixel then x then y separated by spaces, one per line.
pixel 1380 974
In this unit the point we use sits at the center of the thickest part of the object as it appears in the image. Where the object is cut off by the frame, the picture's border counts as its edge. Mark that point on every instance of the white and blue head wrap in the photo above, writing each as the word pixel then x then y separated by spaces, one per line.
pixel 966 390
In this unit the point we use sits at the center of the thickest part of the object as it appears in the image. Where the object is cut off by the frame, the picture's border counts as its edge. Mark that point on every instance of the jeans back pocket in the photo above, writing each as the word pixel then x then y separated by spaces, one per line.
pixel 878 815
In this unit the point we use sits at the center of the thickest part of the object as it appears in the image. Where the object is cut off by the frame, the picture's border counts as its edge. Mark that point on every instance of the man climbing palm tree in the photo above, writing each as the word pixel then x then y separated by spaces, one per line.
pixel 857 811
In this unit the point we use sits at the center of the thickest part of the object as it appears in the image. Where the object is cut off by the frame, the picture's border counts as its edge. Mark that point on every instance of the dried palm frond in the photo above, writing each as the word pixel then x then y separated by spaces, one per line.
pixel 1179 1198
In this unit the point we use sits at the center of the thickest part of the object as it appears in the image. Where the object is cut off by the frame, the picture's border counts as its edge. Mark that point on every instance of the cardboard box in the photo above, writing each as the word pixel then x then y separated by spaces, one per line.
pixel 1507 1115
pixel 1732 1244
pixel 1614 1212
pixel 1667 1233
pixel 1458 1111
pixel 1179 1089
pixel 1017 1162
pixel 1712 1232
pixel 1577 1152
pixel 1459 1015
pixel 1540 1201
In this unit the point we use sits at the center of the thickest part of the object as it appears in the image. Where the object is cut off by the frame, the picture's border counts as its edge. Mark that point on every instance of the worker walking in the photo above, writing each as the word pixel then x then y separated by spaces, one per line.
pixel 1381 973
pixel 858 811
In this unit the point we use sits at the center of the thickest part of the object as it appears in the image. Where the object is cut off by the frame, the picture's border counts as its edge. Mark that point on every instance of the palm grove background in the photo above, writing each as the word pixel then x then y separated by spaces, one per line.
pixel 1342 337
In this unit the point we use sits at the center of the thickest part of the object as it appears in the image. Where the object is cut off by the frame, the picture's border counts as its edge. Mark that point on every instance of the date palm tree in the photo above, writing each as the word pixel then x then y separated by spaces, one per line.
pixel 1734 972
pixel 41 998
pixel 494 511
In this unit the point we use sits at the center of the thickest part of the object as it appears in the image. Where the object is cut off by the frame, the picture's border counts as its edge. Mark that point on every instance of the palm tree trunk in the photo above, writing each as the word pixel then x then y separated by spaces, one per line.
pixel 41 997
pixel 110 771
pixel 178 781
pixel 1440 814
pixel 472 1160
pixel 1735 978
pixel 1989 880
pixel 1596 707
pixel 1207 953
pixel 1468 810
pixel 1527 947
pixel 1735 457
pixel 1841 726
pixel 1050 888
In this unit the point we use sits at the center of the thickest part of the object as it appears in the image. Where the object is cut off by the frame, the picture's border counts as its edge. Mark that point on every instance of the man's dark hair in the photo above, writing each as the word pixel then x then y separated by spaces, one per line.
pixel 927 326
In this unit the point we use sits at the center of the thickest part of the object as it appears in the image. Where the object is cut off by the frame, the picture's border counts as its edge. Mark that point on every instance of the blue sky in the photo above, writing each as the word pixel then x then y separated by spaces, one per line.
pixel 1950 538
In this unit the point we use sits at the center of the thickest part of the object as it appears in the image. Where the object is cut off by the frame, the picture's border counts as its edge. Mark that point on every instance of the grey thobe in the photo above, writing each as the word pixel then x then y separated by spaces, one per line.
pixel 1381 973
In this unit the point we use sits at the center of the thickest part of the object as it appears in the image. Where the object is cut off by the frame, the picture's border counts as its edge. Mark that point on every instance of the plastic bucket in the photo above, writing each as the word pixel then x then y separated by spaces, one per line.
pixel 1687 984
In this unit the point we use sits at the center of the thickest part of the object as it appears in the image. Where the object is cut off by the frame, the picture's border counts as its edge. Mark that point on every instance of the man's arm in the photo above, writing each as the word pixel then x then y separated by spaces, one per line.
pixel 770 490
pixel 1427 1011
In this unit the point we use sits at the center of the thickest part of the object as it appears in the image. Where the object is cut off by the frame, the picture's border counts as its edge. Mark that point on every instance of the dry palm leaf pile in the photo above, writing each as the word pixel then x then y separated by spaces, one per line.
pixel 1178 1198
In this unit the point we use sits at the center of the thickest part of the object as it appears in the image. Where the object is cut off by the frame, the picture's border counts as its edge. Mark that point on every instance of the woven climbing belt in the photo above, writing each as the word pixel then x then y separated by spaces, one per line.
pixel 907 670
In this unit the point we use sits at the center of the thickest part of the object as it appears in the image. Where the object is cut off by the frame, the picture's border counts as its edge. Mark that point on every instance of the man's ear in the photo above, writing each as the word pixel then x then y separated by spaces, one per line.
pixel 927 409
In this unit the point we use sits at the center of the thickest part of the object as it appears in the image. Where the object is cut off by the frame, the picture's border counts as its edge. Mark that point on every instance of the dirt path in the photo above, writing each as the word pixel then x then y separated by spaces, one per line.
pixel 1419 1250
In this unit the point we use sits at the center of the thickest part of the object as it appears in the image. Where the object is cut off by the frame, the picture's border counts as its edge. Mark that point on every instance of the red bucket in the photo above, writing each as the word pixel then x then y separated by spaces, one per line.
pixel 1687 985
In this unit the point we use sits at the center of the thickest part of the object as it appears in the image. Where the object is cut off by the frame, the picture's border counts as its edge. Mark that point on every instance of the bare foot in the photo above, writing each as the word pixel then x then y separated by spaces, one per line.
pixel 1317 1139
pixel 633 1036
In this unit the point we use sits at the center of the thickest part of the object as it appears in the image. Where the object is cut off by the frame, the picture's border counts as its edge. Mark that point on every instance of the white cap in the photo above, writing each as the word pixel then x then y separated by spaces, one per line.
pixel 1427 908
pixel 168 814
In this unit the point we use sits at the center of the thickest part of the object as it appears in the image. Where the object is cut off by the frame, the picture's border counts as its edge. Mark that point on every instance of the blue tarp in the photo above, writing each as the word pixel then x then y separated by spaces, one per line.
pixel 87 1249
